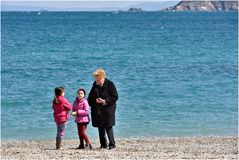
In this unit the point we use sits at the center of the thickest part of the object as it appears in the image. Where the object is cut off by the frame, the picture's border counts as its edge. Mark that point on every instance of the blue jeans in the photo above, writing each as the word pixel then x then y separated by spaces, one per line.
pixel 61 126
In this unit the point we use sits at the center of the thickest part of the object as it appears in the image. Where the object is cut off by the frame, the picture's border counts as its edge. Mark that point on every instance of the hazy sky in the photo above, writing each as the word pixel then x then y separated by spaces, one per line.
pixel 75 4
pixel 62 4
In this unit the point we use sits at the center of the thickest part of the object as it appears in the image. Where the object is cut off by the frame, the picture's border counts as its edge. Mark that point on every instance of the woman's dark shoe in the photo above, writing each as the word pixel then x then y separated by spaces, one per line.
pixel 103 147
pixel 112 146
pixel 88 146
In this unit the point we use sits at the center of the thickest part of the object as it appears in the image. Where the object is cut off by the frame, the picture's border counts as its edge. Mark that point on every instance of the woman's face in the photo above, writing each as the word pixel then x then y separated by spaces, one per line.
pixel 81 95
pixel 99 81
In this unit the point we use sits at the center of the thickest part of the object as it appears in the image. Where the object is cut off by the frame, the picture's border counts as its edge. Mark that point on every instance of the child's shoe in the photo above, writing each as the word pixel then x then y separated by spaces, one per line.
pixel 59 143
pixel 88 146
pixel 80 147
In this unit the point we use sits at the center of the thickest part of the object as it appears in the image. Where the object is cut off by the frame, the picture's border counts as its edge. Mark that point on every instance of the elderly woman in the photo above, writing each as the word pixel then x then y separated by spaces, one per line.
pixel 102 99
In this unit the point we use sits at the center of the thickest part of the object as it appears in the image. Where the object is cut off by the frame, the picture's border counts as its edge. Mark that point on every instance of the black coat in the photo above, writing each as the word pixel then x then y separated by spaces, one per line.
pixel 103 115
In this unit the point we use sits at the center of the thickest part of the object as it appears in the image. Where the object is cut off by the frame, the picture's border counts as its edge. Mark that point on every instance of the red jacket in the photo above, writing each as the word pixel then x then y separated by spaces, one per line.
pixel 61 109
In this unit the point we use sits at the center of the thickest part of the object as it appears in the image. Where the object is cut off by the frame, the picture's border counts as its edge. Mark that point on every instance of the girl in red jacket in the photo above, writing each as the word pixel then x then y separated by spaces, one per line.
pixel 61 108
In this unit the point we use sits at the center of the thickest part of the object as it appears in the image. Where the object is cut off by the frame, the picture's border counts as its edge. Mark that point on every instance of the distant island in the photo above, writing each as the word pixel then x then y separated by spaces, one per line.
pixel 135 10
pixel 192 5
pixel 204 6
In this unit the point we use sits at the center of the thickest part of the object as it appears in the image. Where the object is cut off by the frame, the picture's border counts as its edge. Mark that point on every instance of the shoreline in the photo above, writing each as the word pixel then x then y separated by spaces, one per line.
pixel 209 147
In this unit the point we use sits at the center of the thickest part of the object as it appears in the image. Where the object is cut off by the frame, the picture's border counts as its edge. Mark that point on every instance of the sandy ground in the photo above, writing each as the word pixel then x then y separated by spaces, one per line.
pixel 133 148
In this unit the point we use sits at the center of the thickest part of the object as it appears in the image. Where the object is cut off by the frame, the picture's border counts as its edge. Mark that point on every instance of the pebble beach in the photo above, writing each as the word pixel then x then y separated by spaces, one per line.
pixel 127 148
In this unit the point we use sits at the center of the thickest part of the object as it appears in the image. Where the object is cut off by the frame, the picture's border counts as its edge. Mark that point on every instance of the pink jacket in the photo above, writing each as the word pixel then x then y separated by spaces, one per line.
pixel 61 109
pixel 82 108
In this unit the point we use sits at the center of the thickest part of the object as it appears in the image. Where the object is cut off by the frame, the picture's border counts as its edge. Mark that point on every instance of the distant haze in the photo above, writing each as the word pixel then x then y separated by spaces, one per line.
pixel 84 5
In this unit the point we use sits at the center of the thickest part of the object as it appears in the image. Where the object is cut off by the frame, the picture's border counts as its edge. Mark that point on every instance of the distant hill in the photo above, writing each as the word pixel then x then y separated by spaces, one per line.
pixel 154 6
pixel 204 6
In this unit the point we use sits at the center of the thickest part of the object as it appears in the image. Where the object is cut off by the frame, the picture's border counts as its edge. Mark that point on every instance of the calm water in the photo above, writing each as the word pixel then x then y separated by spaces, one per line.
pixel 176 73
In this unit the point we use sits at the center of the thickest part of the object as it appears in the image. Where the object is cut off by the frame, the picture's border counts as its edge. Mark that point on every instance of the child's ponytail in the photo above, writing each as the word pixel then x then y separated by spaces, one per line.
pixel 58 92
pixel 55 100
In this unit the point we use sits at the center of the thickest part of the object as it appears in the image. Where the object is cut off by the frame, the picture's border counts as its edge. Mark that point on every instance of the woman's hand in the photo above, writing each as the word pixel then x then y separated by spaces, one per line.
pixel 101 101
pixel 74 113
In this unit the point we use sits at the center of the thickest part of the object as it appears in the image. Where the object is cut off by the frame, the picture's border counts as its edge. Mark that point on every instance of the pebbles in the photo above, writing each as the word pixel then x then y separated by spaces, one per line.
pixel 127 148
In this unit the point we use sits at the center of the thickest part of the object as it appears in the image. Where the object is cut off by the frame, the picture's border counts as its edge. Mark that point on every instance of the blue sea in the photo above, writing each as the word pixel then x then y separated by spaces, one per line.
pixel 176 72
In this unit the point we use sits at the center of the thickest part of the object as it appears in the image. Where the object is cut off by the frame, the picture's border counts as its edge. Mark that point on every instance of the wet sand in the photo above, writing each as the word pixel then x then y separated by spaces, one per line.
pixel 131 148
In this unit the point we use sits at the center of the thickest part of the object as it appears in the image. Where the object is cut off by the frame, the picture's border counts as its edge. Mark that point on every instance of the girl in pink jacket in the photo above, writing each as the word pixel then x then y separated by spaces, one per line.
pixel 61 108
pixel 80 111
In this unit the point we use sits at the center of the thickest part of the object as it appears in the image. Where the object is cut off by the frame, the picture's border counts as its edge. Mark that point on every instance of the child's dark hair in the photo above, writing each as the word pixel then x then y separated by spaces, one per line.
pixel 58 92
pixel 81 89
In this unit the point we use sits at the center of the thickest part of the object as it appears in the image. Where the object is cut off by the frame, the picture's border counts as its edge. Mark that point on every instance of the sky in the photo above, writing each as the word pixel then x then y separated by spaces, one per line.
pixel 9 5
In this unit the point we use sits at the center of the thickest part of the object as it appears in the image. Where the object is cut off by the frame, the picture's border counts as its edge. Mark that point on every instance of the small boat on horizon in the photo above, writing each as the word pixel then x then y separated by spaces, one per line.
pixel 41 11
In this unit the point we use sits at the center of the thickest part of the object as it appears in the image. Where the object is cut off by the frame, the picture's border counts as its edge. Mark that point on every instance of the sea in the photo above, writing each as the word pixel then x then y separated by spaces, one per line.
pixel 176 73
